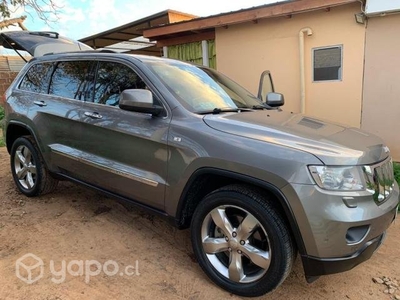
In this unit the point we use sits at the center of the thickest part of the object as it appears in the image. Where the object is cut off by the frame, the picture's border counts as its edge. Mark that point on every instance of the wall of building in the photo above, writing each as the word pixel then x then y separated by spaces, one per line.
pixel 245 50
pixel 381 104
pixel 5 80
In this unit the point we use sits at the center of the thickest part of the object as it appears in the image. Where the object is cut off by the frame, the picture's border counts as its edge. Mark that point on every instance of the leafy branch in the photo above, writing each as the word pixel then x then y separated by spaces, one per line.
pixel 46 10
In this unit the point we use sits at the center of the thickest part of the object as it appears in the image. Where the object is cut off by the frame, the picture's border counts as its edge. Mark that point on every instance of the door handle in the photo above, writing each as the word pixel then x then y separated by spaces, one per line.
pixel 93 115
pixel 40 103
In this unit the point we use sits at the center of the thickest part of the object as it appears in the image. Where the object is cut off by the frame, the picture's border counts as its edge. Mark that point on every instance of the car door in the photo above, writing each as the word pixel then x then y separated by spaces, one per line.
pixel 125 152
pixel 56 110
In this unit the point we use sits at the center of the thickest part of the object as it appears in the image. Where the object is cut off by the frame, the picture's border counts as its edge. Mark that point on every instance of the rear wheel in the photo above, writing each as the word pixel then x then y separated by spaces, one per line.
pixel 28 168
pixel 241 242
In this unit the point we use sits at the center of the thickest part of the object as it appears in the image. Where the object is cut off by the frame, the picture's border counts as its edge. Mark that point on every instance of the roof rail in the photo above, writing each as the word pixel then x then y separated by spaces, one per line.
pixel 50 34
pixel 87 51
pixel 106 51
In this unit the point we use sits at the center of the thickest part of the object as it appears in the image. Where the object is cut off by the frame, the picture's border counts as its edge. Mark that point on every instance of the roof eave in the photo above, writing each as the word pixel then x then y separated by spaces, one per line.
pixel 134 23
pixel 252 14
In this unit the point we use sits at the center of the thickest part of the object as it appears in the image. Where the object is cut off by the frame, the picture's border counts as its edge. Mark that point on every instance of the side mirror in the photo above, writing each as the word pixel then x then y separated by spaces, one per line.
pixel 265 86
pixel 139 100
pixel 275 99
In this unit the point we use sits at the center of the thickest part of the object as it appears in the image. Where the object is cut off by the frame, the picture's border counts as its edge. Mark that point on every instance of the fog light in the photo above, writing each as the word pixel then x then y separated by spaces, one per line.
pixel 356 234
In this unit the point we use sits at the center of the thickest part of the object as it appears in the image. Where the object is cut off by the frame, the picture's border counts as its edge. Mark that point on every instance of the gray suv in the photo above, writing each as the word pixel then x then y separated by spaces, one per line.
pixel 255 184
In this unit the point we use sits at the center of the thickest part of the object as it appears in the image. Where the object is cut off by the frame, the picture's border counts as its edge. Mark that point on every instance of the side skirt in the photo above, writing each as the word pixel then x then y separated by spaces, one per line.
pixel 120 198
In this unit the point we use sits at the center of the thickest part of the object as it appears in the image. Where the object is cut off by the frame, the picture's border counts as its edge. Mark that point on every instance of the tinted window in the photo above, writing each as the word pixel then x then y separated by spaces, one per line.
pixel 328 64
pixel 37 78
pixel 201 90
pixel 70 80
pixel 112 78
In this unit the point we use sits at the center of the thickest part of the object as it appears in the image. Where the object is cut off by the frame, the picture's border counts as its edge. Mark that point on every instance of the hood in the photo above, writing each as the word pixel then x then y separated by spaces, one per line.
pixel 39 43
pixel 333 144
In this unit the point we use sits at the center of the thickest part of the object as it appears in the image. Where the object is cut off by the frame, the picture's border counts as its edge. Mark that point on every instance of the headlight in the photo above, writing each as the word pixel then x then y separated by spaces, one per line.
pixel 338 178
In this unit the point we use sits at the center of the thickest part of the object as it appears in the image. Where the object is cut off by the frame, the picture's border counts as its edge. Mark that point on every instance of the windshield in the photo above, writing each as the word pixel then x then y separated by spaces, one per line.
pixel 202 90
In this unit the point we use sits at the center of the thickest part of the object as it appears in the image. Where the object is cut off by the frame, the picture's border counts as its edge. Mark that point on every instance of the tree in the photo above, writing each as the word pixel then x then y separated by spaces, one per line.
pixel 45 9
pixel 19 21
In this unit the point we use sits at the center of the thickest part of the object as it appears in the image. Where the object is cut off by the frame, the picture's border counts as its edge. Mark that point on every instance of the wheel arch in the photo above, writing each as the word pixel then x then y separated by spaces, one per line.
pixel 15 130
pixel 206 180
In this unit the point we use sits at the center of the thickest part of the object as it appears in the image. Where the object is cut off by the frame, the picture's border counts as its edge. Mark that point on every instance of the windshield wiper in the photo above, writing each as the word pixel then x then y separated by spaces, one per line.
pixel 260 106
pixel 218 110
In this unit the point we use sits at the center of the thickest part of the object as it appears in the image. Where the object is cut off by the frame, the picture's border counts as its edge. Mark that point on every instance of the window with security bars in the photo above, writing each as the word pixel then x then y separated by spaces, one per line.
pixel 327 64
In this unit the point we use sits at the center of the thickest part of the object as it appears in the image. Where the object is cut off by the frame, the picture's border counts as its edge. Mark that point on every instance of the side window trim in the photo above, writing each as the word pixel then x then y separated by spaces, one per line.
pixel 51 76
pixel 93 74
pixel 90 80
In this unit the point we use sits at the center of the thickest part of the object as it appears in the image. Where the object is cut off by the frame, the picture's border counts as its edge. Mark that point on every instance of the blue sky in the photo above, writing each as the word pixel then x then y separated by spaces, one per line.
pixel 82 18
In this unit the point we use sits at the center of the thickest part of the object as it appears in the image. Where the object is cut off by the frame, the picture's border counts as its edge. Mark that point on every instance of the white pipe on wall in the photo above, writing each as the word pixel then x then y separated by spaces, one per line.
pixel 302 68
pixel 204 49
pixel 165 51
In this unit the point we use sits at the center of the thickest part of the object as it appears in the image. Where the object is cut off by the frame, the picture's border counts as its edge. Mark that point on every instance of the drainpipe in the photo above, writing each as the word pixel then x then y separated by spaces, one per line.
pixel 204 50
pixel 165 51
pixel 302 69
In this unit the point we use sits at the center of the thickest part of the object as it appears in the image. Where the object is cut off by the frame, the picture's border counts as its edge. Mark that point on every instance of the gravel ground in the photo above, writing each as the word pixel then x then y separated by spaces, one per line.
pixel 93 235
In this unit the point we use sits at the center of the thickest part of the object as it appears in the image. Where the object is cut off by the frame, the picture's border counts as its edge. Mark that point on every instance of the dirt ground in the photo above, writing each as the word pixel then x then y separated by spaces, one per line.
pixel 76 225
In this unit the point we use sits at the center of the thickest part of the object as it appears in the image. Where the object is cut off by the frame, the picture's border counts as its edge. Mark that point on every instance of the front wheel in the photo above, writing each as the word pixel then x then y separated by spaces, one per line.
pixel 241 242
pixel 28 168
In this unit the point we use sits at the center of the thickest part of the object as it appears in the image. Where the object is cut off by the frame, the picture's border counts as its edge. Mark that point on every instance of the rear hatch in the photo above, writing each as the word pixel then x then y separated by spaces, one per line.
pixel 39 43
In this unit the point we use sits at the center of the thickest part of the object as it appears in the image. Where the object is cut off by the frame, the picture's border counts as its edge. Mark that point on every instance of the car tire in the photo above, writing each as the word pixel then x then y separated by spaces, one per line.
pixel 241 241
pixel 28 168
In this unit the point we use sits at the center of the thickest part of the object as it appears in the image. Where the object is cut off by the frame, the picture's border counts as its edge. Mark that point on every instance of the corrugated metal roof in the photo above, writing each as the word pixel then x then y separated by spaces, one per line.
pixel 129 37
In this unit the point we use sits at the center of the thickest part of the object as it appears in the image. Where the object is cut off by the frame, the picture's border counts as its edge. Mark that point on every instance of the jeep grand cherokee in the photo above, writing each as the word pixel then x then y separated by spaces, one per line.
pixel 255 184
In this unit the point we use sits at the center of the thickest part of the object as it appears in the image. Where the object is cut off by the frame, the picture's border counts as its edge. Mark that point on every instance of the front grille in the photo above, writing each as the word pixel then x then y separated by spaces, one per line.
pixel 380 180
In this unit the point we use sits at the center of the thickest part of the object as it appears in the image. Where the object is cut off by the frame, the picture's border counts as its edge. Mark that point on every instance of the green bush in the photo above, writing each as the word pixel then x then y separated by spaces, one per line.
pixel 396 169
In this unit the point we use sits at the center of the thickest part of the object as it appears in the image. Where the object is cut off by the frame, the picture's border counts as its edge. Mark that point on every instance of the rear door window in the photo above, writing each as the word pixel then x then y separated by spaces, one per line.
pixel 71 79
pixel 37 78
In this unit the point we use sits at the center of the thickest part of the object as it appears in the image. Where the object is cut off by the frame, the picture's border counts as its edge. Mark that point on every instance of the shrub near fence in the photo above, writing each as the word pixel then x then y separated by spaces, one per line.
pixel 396 168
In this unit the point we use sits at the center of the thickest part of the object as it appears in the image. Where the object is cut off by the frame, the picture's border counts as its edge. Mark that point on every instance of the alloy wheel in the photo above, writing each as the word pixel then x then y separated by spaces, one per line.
pixel 236 244
pixel 25 167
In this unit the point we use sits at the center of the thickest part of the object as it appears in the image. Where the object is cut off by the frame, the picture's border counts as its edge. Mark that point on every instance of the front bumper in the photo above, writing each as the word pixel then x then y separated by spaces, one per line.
pixel 331 229
pixel 314 266
pixel 338 231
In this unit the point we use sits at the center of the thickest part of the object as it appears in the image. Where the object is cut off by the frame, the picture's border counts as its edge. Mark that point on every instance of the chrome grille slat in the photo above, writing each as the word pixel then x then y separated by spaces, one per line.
pixel 380 180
